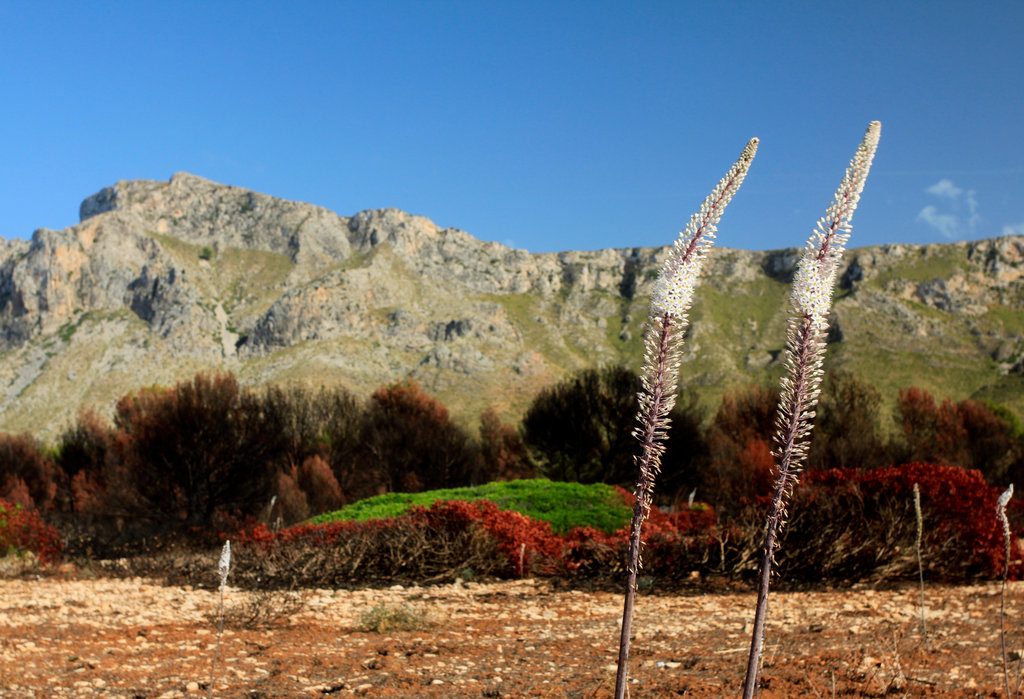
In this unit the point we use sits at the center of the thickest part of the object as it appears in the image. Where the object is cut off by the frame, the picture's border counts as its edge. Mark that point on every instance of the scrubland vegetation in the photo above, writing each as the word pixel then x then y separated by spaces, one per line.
pixel 407 494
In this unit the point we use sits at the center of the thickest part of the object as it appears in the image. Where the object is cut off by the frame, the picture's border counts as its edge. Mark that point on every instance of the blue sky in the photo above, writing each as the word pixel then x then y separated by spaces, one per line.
pixel 543 125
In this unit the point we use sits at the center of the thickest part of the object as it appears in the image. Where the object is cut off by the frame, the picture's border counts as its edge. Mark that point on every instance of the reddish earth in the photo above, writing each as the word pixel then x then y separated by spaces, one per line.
pixel 75 637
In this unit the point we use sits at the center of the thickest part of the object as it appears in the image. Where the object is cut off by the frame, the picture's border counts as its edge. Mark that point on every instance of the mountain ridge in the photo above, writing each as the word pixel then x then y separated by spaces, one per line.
pixel 160 280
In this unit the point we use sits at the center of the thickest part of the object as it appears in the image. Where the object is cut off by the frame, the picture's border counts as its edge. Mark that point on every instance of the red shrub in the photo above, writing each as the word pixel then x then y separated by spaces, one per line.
pixel 958 510
pixel 589 553
pixel 872 512
pixel 22 529
pixel 519 537
pixel 674 545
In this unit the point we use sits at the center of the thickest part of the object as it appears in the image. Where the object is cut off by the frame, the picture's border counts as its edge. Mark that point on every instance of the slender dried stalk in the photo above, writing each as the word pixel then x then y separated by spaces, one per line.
pixel 223 567
pixel 663 341
pixel 805 354
pixel 920 564
pixel 1005 523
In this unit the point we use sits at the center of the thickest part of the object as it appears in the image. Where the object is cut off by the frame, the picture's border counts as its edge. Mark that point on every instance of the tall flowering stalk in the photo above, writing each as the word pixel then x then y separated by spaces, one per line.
pixel 1001 504
pixel 670 300
pixel 805 353
pixel 223 568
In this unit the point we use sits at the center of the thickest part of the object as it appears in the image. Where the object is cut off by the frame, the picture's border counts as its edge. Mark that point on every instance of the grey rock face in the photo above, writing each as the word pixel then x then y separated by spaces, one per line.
pixel 161 279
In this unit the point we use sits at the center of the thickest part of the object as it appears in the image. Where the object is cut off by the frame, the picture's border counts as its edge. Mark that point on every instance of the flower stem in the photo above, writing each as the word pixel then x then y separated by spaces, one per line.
pixel 661 329
pixel 805 346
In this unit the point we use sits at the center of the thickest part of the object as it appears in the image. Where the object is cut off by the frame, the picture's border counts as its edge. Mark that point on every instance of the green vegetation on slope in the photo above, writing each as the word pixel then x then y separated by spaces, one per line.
pixel 922 264
pixel 563 505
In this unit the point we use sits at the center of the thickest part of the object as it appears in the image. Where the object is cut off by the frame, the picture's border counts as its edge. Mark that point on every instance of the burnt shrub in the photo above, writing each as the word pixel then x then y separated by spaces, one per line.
pixel 847 433
pixel 81 455
pixel 686 453
pixel 306 490
pixel 186 453
pixel 409 443
pixel 321 487
pixel 969 434
pixel 325 423
pixel 503 455
pixel 27 477
pixel 580 429
pixel 423 545
pixel 994 446
pixel 84 445
pixel 929 432
pixel 739 467
pixel 844 526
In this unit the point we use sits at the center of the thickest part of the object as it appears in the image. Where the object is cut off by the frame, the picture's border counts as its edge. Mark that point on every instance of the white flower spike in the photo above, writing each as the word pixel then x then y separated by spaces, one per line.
pixel 804 360
pixel 816 272
pixel 673 291
pixel 225 563
pixel 670 299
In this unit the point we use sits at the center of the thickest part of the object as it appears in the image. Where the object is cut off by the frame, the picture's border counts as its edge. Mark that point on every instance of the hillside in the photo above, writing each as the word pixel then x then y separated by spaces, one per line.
pixel 160 280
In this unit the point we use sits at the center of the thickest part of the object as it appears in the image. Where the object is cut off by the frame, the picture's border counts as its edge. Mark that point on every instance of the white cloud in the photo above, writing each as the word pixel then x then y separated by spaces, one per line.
pixel 959 216
pixel 973 218
pixel 945 188
pixel 946 224
pixel 1015 229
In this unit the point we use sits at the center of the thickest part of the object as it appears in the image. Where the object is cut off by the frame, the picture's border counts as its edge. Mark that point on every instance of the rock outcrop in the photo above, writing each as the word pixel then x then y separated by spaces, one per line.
pixel 163 279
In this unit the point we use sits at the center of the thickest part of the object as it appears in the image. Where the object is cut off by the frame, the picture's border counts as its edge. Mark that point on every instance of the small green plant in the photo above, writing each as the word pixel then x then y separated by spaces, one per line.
pixel 67 331
pixel 387 618
pixel 206 253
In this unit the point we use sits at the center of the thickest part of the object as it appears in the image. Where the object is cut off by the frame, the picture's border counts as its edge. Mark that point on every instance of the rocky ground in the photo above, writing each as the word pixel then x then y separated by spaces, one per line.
pixel 65 636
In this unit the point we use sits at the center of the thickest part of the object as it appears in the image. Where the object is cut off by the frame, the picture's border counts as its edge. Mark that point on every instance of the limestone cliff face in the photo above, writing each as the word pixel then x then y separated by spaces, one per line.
pixel 163 279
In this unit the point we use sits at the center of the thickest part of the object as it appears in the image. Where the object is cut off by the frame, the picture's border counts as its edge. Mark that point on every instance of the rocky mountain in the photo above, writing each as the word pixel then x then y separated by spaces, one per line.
pixel 160 280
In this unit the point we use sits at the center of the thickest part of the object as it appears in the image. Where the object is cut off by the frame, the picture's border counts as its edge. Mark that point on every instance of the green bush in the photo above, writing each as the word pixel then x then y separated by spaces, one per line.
pixel 563 505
